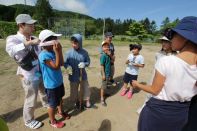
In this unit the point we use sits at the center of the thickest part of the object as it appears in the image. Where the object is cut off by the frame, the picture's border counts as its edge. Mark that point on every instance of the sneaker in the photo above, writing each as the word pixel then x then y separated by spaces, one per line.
pixel 129 94
pixel 123 92
pixel 46 106
pixel 57 124
pixel 88 105
pixel 34 124
pixel 77 105
pixel 64 115
pixel 103 103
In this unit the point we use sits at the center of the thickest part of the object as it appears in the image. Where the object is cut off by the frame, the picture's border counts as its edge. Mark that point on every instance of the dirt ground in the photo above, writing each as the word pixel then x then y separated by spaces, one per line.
pixel 119 115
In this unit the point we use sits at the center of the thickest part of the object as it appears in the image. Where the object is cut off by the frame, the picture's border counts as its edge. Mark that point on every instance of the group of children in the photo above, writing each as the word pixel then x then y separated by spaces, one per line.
pixel 51 60
pixel 75 60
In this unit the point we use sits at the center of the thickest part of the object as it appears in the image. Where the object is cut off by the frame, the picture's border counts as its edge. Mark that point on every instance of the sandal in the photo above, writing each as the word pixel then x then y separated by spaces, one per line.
pixel 64 115
pixel 34 124
pixel 57 124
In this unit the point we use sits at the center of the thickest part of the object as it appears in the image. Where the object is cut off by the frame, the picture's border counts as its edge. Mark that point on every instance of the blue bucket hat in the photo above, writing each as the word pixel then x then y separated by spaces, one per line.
pixel 187 28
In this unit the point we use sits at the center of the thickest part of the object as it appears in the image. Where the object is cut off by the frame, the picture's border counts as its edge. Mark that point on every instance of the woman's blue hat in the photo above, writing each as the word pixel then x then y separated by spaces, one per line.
pixel 187 28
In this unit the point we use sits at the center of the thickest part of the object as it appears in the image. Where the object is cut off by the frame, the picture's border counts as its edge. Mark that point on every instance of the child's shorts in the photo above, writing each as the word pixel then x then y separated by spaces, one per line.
pixel 128 78
pixel 55 95
pixel 105 83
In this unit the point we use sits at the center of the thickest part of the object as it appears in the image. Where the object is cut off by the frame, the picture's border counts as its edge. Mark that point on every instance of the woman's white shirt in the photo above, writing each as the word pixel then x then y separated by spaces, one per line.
pixel 180 79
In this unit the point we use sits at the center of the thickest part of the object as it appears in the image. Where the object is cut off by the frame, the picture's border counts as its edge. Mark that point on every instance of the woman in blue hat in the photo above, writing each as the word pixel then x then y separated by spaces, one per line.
pixel 174 83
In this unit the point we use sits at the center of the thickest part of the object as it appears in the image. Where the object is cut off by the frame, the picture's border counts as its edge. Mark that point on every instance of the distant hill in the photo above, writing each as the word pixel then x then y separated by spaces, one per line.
pixel 8 13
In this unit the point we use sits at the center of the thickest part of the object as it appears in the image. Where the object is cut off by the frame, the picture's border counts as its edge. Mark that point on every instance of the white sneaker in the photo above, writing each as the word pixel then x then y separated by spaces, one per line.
pixel 34 124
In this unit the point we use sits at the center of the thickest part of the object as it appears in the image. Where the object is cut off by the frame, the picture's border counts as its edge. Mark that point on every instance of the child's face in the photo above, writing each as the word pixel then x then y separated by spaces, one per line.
pixel 105 48
pixel 48 48
pixel 166 46
pixel 75 45
pixel 135 51
pixel 178 42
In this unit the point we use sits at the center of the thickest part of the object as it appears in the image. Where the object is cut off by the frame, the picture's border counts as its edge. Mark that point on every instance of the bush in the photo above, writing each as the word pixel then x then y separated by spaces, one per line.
pixel 10 28
pixel 7 28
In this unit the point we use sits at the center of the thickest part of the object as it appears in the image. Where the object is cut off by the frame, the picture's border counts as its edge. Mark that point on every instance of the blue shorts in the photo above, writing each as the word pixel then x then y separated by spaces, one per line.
pixel 55 95
pixel 128 78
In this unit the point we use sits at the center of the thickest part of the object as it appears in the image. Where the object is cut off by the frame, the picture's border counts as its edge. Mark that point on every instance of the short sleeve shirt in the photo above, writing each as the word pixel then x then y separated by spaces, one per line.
pixel 133 70
pixel 180 79
pixel 105 61
pixel 52 78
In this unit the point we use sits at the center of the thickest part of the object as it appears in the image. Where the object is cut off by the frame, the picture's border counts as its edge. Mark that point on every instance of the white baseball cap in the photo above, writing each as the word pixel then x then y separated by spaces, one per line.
pixel 164 38
pixel 44 34
pixel 24 18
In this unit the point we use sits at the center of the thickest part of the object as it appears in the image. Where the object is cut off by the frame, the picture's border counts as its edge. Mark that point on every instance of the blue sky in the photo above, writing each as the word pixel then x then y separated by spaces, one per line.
pixel 124 9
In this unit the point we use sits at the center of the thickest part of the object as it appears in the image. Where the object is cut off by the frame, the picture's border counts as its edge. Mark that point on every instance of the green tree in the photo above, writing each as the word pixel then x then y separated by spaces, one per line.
pixel 90 27
pixel 137 29
pixel 7 13
pixel 168 24
pixel 43 12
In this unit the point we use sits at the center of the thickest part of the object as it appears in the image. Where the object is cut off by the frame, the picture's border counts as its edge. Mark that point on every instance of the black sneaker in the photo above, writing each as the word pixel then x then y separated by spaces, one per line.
pixel 112 81
pixel 77 105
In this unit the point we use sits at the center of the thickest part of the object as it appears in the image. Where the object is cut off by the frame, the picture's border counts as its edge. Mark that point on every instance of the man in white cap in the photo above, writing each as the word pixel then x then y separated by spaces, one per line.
pixel 23 48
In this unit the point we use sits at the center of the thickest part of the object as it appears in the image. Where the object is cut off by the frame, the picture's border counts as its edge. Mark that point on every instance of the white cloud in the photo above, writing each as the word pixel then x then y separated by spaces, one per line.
pixel 12 2
pixel 66 5
pixel 70 5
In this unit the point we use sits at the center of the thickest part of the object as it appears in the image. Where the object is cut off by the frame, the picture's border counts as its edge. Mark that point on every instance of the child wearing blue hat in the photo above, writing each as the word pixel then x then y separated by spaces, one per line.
pixel 174 83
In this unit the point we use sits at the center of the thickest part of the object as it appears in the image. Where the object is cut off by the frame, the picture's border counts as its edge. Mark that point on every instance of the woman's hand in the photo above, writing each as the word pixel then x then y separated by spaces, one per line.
pixel 135 84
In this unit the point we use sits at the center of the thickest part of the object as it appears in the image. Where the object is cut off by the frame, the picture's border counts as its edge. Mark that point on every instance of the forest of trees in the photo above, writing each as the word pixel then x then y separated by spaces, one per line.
pixel 47 18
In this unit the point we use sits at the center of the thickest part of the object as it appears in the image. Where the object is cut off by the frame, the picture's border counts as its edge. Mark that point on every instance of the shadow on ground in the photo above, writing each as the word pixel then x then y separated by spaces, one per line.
pixel 105 125
pixel 110 91
pixel 95 98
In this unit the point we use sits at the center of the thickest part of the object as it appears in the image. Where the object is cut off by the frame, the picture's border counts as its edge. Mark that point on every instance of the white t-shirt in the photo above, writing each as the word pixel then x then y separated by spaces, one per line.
pixel 180 79
pixel 133 70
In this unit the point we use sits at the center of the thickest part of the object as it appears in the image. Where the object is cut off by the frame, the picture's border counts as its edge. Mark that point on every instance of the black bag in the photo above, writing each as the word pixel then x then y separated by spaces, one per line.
pixel 28 55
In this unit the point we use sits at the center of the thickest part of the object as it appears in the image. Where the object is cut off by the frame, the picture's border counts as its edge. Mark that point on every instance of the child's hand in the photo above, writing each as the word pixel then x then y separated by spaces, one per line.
pixel 69 70
pixel 134 64
pixel 108 52
pixel 104 78
pixel 55 48
pixel 58 45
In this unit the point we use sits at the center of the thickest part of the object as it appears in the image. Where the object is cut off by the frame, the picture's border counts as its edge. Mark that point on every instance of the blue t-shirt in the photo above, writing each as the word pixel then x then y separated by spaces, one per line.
pixel 52 78
pixel 106 62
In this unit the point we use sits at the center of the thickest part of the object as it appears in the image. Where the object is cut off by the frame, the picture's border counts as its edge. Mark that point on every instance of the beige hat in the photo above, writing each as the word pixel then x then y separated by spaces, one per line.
pixel 104 42
pixel 44 34
pixel 24 18
pixel 164 38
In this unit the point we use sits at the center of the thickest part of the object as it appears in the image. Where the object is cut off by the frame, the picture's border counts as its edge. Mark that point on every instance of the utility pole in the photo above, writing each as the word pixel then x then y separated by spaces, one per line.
pixel 104 29
pixel 25 2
